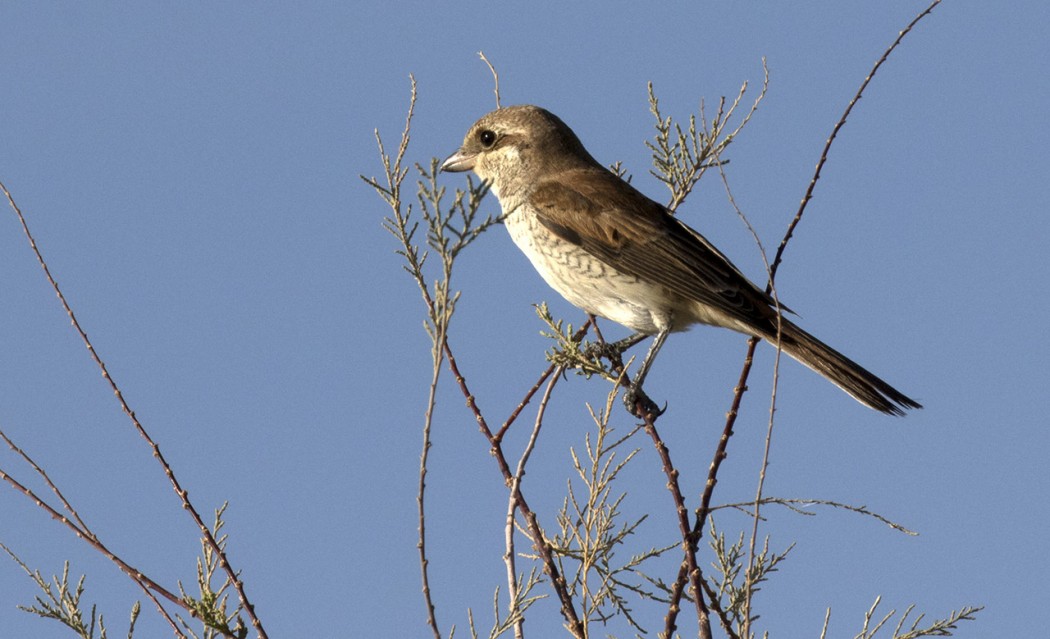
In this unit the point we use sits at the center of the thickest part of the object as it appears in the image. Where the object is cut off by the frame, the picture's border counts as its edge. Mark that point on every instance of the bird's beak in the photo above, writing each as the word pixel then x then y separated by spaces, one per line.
pixel 459 161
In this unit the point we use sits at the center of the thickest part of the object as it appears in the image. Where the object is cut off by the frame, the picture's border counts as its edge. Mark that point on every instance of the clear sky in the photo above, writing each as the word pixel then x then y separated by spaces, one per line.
pixel 190 172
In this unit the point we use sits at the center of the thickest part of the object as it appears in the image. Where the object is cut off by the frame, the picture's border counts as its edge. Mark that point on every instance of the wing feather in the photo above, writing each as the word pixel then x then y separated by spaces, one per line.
pixel 596 210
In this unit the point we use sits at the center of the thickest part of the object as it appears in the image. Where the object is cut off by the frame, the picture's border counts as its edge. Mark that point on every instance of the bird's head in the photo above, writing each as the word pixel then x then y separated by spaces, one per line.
pixel 514 146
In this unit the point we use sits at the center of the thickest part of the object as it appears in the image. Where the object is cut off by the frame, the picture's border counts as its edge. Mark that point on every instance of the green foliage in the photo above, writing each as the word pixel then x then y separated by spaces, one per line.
pixel 210 606
pixel 682 155
pixel 450 227
pixel 908 626
pixel 523 600
pixel 570 351
pixel 60 600
pixel 731 564
pixel 592 530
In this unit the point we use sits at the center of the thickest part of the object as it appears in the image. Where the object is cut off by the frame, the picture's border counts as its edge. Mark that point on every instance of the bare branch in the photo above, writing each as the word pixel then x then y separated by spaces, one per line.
pixel 495 76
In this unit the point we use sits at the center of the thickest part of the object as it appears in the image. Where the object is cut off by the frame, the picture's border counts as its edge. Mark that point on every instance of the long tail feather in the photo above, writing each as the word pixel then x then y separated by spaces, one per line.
pixel 851 377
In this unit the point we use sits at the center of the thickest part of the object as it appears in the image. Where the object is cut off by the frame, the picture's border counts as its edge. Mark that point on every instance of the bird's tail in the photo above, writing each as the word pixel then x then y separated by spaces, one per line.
pixel 851 377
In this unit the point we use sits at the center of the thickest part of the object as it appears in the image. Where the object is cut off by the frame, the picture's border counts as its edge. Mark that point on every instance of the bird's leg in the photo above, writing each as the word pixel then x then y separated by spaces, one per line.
pixel 614 351
pixel 622 345
pixel 634 396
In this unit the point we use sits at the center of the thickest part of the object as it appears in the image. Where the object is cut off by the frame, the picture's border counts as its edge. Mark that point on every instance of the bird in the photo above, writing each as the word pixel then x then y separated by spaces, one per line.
pixel 615 253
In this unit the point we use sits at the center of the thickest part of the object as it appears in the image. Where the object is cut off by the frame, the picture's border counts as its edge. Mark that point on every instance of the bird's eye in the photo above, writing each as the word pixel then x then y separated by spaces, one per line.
pixel 487 138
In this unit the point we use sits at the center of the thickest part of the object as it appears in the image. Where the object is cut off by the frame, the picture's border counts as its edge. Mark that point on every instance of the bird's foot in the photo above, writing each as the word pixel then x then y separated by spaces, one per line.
pixel 609 350
pixel 638 404
pixel 613 351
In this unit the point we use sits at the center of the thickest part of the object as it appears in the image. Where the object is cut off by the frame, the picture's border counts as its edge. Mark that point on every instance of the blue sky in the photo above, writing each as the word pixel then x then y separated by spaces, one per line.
pixel 190 173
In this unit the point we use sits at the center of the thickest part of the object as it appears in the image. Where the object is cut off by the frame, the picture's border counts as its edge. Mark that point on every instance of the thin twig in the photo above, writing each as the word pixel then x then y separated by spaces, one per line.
pixel 509 559
pixel 182 493
pixel 47 479
pixel 741 385
pixel 420 494
pixel 723 617
pixel 689 539
pixel 512 505
pixel 495 76
pixel 702 512
pixel 401 228
pixel 523 403
pixel 82 530
pixel 799 505
pixel 835 131
pixel 498 437
pixel 690 569
pixel 93 541
pixel 748 575
pixel 824 628
pixel 395 174
pixel 540 542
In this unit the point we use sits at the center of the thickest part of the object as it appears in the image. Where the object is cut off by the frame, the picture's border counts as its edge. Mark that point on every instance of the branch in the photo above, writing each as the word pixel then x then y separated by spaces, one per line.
pixel 512 505
pixel 182 493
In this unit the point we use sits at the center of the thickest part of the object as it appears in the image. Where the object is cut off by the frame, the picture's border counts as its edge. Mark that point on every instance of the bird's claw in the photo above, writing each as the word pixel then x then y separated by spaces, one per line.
pixel 639 404
pixel 604 350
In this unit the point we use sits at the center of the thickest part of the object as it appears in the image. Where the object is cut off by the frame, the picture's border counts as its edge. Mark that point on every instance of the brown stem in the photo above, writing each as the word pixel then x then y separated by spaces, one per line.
pixel 741 386
pixel 182 493
pixel 689 538
pixel 538 539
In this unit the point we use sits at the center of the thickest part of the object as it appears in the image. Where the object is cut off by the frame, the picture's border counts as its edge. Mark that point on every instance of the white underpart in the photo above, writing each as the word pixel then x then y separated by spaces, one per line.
pixel 588 283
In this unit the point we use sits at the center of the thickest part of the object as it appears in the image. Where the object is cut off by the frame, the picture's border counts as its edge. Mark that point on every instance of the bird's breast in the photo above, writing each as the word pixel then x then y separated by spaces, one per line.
pixel 586 281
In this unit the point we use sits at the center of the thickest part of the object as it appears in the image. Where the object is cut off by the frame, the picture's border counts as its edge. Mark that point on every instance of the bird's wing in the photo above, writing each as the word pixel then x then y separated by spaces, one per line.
pixel 607 217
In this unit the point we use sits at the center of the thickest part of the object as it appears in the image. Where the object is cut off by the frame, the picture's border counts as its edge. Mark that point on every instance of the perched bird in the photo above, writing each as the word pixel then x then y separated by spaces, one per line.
pixel 613 252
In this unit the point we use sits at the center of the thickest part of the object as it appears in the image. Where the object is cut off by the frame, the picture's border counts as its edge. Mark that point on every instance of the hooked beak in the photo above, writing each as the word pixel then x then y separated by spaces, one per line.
pixel 458 161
